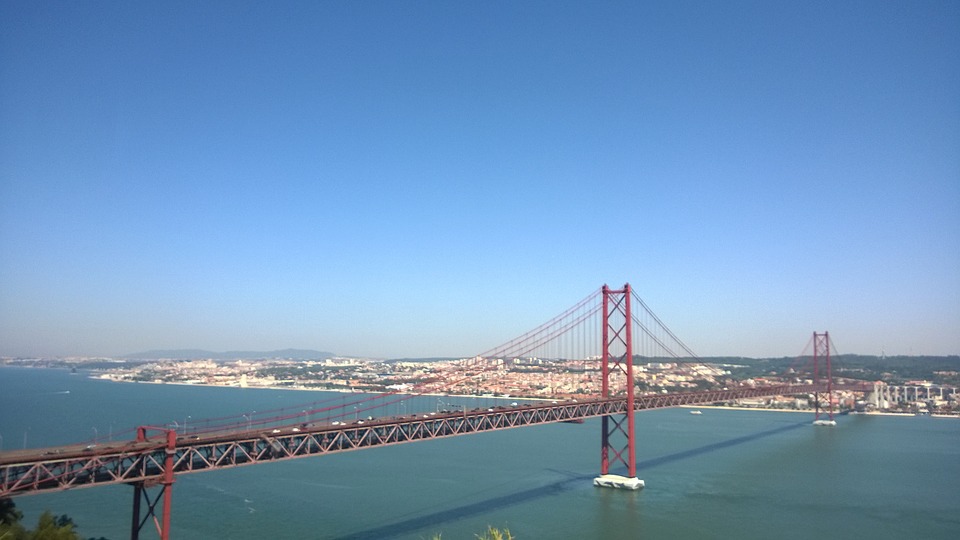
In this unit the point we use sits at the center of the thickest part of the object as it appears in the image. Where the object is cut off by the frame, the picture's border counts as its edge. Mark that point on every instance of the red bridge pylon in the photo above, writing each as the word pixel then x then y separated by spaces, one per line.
pixel 166 489
pixel 821 353
pixel 617 370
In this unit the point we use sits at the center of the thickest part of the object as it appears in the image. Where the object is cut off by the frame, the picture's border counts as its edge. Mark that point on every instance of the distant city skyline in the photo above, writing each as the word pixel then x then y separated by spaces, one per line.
pixel 431 180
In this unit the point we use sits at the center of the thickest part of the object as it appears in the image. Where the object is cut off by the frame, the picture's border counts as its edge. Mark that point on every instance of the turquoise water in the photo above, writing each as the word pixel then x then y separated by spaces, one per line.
pixel 723 474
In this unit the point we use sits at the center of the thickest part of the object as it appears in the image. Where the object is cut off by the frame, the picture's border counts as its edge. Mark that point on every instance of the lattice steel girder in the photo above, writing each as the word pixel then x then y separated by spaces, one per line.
pixel 46 470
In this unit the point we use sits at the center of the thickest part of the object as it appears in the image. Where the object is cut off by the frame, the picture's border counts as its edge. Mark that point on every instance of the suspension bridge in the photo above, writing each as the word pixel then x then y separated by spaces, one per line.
pixel 611 327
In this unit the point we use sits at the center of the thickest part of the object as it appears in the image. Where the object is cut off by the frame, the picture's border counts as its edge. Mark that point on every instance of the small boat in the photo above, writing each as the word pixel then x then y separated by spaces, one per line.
pixel 824 422
pixel 695 412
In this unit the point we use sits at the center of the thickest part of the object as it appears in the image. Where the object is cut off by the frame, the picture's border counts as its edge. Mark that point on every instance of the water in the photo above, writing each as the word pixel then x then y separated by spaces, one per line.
pixel 724 474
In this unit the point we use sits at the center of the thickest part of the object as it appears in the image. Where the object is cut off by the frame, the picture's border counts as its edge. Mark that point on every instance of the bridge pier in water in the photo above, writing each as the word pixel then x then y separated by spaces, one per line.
pixel 618 360
pixel 821 350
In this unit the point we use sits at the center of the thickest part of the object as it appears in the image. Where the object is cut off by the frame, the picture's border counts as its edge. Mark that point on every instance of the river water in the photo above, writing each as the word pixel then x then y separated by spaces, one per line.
pixel 722 474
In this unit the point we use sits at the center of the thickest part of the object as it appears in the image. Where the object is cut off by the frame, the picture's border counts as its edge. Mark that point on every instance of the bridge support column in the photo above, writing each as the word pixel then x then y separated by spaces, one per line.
pixel 136 524
pixel 821 351
pixel 166 492
pixel 617 363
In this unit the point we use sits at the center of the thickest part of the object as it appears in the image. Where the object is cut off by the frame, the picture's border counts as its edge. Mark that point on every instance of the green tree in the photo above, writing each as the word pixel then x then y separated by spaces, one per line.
pixel 8 512
pixel 49 526
pixel 496 534
pixel 492 533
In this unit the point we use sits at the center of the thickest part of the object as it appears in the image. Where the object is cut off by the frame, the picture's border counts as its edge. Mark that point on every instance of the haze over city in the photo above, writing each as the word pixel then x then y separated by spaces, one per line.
pixel 433 179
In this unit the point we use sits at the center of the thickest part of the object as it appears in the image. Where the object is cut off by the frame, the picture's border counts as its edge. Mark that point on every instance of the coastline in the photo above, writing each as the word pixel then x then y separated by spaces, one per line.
pixel 105 377
pixel 514 398
pixel 730 408
pixel 338 390
pixel 810 411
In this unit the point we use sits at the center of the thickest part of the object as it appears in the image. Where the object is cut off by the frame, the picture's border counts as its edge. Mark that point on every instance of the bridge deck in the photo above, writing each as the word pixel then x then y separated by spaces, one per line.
pixel 76 466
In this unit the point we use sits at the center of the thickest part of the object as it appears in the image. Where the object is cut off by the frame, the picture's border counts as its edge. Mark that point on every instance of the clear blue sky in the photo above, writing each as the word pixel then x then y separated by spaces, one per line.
pixel 433 178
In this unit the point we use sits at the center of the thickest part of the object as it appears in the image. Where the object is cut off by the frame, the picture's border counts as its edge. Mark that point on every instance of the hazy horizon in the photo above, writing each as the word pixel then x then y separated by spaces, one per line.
pixel 180 354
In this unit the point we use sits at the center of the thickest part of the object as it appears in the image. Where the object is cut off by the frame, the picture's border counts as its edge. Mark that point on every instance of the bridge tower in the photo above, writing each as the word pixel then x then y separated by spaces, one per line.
pixel 617 369
pixel 821 353
pixel 166 489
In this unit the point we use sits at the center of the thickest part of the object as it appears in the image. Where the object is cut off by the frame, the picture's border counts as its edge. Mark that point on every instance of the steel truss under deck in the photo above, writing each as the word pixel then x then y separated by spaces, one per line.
pixel 56 469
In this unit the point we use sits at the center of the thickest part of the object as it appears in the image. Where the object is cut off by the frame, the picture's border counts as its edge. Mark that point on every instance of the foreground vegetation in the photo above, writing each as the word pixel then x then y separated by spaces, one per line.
pixel 49 526
pixel 492 533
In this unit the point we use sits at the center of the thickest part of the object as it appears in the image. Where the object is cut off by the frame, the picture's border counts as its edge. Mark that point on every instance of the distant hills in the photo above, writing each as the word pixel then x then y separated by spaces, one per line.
pixel 196 354
pixel 427 359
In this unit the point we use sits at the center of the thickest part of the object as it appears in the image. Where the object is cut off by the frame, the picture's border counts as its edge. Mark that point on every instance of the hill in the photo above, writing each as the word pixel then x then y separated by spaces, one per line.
pixel 196 354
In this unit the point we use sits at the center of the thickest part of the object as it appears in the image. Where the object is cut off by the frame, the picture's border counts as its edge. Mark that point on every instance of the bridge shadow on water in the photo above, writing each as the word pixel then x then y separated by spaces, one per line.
pixel 434 519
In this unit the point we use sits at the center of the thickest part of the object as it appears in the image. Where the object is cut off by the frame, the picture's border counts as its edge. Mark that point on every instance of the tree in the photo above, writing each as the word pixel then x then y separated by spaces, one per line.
pixel 8 512
pixel 49 526
pixel 496 534
pixel 492 533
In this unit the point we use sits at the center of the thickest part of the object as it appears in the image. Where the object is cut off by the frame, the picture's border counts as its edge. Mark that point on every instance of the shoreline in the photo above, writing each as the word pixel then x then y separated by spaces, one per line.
pixel 91 374
pixel 513 398
pixel 810 411
pixel 337 390
pixel 730 408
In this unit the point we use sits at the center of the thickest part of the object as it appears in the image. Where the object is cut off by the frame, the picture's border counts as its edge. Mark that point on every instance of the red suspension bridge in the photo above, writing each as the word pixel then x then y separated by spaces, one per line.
pixel 611 327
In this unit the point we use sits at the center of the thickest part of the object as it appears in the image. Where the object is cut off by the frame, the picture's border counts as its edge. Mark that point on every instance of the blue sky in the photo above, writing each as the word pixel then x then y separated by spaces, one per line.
pixel 434 178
